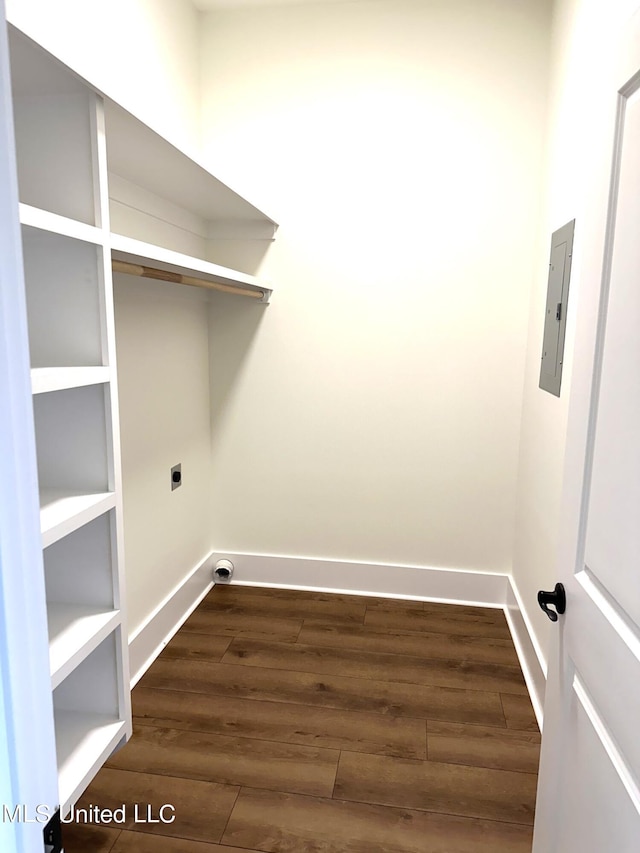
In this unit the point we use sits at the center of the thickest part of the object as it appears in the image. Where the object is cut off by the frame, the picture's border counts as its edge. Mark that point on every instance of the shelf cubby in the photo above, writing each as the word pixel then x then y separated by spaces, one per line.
pixel 55 134
pixel 89 718
pixel 82 598
pixel 79 569
pixel 73 459
pixel 63 281
pixel 72 440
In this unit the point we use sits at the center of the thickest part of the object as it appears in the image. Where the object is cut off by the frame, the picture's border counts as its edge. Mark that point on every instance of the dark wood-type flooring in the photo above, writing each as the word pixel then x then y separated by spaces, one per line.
pixel 284 722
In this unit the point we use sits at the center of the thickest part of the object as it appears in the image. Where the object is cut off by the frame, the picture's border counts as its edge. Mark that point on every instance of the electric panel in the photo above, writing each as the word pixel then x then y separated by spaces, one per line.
pixel 556 308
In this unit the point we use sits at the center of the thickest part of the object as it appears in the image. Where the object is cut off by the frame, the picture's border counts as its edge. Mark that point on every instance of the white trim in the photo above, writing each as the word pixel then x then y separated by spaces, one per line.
pixel 457 586
pixel 532 662
pixel 622 624
pixel 617 759
pixel 150 638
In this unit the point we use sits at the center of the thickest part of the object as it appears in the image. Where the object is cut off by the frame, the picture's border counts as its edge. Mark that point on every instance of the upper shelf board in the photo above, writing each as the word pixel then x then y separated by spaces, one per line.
pixel 136 252
pixel 140 155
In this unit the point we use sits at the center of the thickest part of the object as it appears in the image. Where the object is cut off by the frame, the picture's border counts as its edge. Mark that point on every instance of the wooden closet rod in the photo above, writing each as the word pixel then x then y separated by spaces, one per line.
pixel 178 278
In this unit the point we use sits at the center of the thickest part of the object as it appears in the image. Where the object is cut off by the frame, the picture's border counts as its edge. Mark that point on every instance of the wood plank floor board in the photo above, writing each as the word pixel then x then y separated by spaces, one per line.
pixel 483 746
pixel 249 625
pixel 418 644
pixel 344 609
pixel 394 605
pixel 377 666
pixel 82 838
pixel 324 727
pixel 186 645
pixel 202 808
pixel 229 760
pixel 344 693
pixel 136 842
pixel 519 713
pixel 499 795
pixel 281 823
pixel 436 608
pixel 487 623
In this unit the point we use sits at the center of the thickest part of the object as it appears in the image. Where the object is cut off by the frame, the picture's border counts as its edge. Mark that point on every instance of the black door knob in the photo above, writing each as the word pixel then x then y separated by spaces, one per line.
pixel 557 598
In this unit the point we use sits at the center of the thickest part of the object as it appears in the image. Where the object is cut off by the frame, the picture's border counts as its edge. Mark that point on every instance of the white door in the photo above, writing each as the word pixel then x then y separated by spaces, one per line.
pixel 589 784
pixel 28 776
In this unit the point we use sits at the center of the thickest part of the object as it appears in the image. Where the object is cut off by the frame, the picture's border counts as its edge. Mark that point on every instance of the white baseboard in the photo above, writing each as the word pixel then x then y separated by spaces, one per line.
pixel 529 653
pixel 458 586
pixel 149 639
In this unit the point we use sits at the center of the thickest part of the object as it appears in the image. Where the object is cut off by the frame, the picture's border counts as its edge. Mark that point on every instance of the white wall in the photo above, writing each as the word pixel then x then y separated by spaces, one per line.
pixel 372 412
pixel 141 53
pixel 163 376
pixel 579 150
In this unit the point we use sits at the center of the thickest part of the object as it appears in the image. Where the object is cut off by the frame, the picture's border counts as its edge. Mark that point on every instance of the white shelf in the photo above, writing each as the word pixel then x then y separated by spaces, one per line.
pixel 84 741
pixel 138 154
pixel 75 630
pixel 46 379
pixel 146 254
pixel 44 220
pixel 62 512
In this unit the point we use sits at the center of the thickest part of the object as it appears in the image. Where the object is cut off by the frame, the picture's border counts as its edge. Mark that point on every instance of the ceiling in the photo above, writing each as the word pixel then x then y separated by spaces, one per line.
pixel 207 5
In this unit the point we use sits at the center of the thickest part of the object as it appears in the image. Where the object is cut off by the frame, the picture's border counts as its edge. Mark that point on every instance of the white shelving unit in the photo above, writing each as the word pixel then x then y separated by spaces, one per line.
pixel 98 186
pixel 64 215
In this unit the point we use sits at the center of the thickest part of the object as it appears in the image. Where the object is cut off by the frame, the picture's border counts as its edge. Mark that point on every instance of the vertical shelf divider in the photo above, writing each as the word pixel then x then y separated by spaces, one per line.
pixel 101 196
